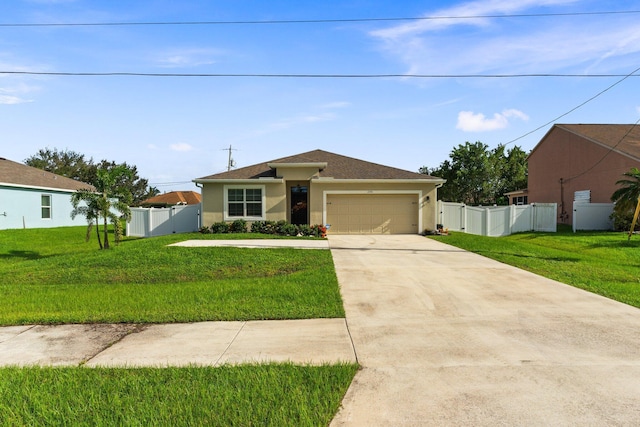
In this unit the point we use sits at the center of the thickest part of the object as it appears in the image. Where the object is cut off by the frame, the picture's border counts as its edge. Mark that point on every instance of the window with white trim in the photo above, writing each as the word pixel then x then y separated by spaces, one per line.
pixel 45 206
pixel 244 202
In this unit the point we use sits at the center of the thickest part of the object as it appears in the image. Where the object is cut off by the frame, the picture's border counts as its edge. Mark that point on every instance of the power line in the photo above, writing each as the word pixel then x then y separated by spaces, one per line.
pixel 319 76
pixel 626 76
pixel 320 21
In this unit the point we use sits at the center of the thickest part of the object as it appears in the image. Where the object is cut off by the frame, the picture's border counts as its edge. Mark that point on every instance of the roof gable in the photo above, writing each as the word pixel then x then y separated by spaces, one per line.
pixel 337 167
pixel 19 175
pixel 622 138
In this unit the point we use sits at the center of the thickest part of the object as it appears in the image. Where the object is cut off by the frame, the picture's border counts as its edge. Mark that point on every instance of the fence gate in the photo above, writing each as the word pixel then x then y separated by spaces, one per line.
pixel 497 220
pixel 148 222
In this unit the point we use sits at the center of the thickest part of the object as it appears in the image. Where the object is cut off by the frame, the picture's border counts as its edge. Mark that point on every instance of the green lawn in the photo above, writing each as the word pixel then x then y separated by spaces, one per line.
pixel 605 263
pixel 54 276
pixel 265 395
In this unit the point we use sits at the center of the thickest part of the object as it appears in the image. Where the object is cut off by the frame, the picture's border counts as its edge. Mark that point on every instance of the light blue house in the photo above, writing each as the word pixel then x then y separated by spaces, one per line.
pixel 33 198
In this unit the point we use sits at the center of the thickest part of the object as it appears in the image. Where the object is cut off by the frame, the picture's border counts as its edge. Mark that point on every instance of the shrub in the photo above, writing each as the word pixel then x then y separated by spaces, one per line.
pixel 283 228
pixel 220 227
pixel 305 230
pixel 264 227
pixel 205 230
pixel 319 230
pixel 238 226
pixel 622 219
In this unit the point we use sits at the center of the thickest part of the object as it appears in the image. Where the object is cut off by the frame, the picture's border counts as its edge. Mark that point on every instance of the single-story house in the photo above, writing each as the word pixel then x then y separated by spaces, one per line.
pixel 518 197
pixel 349 195
pixel 585 158
pixel 34 198
pixel 173 198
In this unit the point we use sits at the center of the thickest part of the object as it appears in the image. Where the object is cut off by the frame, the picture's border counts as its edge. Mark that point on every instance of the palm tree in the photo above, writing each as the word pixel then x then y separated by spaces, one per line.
pixel 110 202
pixel 626 197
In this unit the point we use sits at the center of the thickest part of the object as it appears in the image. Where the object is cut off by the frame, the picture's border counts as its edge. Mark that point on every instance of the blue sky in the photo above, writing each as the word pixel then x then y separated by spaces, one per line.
pixel 175 129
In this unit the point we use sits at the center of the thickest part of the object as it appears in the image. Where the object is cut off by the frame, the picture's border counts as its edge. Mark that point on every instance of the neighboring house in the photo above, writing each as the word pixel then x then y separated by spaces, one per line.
pixel 172 198
pixel 351 196
pixel 34 198
pixel 518 197
pixel 581 158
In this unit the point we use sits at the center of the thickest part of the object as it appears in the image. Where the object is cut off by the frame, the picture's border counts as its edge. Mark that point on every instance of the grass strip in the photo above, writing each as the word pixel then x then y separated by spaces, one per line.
pixel 246 395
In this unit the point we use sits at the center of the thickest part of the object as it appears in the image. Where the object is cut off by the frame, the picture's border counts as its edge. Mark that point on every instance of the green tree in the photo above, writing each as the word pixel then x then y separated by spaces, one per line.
pixel 508 172
pixel 138 187
pixel 76 166
pixel 66 163
pixel 626 199
pixel 476 175
pixel 110 202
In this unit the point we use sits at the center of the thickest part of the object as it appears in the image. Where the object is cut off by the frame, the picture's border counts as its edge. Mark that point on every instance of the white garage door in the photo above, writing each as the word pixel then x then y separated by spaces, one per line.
pixel 372 213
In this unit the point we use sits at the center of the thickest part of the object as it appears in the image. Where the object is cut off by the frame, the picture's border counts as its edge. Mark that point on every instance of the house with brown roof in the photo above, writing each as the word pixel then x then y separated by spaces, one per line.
pixel 172 198
pixel 583 158
pixel 349 195
pixel 34 198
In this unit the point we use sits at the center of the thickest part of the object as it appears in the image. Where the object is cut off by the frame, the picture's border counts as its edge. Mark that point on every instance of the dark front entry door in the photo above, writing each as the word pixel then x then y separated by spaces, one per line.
pixel 299 202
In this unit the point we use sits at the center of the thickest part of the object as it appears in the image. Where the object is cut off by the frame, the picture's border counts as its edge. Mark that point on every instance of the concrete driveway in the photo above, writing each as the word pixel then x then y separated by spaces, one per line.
pixel 449 338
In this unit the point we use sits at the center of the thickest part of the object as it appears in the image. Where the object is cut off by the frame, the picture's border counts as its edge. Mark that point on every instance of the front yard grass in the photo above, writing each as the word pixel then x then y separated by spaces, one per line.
pixel 266 395
pixel 53 276
pixel 604 263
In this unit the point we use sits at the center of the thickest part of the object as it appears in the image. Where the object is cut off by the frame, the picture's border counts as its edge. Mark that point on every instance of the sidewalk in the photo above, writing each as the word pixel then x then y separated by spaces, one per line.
pixel 314 341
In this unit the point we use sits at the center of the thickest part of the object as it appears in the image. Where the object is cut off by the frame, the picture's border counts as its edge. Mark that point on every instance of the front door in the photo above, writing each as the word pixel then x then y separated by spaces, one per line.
pixel 299 201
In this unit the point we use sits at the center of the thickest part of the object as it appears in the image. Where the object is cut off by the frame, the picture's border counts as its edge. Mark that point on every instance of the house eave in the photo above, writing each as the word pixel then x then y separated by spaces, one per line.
pixel 38 188
pixel 330 180
pixel 240 181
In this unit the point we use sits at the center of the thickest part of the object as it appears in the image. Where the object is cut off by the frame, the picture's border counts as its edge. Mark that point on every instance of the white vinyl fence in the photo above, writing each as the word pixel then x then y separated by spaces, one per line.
pixel 497 220
pixel 592 216
pixel 148 222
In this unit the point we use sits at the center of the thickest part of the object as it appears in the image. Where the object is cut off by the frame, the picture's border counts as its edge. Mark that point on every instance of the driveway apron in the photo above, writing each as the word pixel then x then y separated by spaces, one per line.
pixel 448 337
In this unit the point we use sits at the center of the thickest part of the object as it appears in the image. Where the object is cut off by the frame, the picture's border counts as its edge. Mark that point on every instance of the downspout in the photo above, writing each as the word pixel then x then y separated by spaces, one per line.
pixel 563 211
pixel 199 220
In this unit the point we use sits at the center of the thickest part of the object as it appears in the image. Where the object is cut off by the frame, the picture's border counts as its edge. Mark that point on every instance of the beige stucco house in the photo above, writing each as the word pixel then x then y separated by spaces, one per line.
pixel 351 196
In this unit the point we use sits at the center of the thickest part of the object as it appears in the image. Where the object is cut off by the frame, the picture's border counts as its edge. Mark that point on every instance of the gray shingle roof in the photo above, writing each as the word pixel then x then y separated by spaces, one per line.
pixel 338 167
pixel 17 174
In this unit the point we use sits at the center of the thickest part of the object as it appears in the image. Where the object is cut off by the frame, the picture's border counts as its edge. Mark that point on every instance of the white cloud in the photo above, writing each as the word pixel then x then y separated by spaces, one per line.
pixel 475 8
pixel 14 94
pixel 485 45
pixel 12 100
pixel 187 57
pixel 181 146
pixel 293 122
pixel 468 121
pixel 335 105
pixel 152 146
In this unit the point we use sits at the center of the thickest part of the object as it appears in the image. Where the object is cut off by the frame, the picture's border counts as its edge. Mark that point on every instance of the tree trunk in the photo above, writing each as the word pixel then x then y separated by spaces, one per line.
pixel 106 233
pixel 98 233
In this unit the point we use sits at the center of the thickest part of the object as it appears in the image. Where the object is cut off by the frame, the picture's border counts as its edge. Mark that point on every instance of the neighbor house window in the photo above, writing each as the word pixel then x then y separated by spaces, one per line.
pixel 244 202
pixel 520 200
pixel 45 206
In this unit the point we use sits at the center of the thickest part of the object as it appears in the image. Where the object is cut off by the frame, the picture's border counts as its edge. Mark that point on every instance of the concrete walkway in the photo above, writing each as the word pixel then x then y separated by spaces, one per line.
pixel 450 338
pixel 314 341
